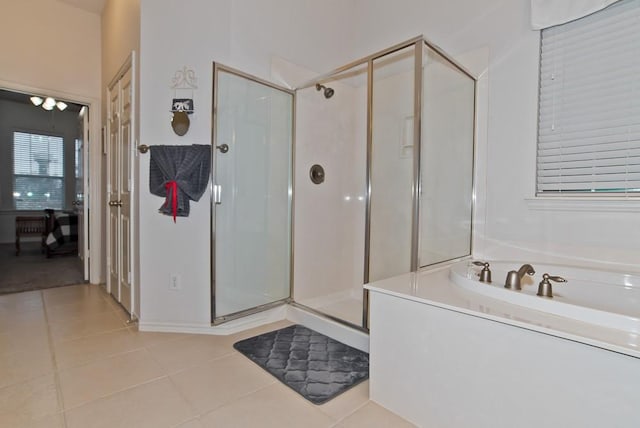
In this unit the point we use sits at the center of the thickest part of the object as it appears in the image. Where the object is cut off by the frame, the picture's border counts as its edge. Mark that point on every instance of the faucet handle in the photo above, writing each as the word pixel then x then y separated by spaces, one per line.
pixel 544 288
pixel 478 263
pixel 546 276
pixel 485 273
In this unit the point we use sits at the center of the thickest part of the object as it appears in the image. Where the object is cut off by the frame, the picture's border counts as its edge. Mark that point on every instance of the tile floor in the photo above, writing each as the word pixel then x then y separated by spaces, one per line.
pixel 67 359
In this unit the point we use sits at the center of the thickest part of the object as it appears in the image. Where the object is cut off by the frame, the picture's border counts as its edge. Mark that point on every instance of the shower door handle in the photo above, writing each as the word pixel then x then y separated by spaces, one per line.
pixel 224 148
pixel 217 194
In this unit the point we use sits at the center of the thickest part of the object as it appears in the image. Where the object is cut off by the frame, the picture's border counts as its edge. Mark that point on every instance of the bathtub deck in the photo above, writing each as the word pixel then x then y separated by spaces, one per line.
pixel 434 288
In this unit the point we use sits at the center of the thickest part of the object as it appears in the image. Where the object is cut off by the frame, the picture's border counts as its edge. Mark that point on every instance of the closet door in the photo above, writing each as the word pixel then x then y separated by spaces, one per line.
pixel 119 182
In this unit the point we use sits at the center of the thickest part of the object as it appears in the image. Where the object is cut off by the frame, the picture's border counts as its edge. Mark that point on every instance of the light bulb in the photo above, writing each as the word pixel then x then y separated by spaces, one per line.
pixel 36 100
pixel 61 106
pixel 49 103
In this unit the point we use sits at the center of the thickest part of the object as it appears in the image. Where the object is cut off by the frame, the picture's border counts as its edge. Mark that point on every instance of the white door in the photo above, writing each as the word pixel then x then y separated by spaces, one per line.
pixel 119 183
pixel 80 207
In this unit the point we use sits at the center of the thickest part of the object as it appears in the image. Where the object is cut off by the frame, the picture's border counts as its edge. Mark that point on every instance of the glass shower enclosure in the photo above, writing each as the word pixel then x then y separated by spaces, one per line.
pixel 383 173
pixel 252 190
pixel 396 141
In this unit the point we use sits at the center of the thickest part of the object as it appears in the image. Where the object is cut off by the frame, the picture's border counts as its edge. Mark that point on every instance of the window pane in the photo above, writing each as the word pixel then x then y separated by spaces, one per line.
pixel 589 116
pixel 36 193
pixel 37 155
pixel 38 168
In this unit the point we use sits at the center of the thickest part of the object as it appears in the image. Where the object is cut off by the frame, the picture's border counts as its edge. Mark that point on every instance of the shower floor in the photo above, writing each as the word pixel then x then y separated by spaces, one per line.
pixel 344 306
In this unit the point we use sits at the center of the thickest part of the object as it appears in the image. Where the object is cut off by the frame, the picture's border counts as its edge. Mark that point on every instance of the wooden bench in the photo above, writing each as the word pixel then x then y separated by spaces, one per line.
pixel 30 226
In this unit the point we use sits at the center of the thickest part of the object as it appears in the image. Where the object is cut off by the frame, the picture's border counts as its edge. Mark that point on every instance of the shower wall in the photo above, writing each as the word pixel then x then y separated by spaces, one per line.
pixel 329 217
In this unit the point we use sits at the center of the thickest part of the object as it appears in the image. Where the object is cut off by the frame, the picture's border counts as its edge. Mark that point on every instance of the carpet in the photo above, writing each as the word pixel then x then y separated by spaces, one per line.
pixel 32 270
pixel 316 366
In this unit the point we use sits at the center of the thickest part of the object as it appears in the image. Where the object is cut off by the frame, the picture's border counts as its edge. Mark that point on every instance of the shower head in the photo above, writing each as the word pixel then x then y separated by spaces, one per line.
pixel 328 92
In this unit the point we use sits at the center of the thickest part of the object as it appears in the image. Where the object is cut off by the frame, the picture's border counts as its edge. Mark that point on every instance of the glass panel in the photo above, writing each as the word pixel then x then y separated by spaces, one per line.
pixel 446 160
pixel 330 216
pixel 252 232
pixel 392 164
pixel 38 165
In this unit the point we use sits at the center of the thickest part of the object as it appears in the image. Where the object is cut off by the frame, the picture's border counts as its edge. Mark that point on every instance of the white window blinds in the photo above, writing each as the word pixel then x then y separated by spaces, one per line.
pixel 38 171
pixel 589 106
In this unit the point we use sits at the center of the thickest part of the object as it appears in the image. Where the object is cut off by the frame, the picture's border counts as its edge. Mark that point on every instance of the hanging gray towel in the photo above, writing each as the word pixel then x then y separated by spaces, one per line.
pixel 180 174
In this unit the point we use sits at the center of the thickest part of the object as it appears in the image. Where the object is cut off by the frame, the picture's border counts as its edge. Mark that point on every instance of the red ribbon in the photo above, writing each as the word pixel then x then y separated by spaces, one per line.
pixel 172 192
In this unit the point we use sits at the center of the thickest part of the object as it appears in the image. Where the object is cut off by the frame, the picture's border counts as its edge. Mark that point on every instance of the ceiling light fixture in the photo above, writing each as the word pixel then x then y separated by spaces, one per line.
pixel 48 103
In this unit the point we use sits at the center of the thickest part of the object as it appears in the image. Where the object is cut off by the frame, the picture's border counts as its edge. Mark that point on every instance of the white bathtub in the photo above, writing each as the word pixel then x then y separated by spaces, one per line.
pixel 607 299
pixel 447 350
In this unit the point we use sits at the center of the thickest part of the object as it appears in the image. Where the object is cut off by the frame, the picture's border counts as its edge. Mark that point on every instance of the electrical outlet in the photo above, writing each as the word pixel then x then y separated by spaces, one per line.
pixel 174 282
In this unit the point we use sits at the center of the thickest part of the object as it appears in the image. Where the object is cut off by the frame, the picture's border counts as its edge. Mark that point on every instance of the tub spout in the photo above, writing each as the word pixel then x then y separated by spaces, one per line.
pixel 514 278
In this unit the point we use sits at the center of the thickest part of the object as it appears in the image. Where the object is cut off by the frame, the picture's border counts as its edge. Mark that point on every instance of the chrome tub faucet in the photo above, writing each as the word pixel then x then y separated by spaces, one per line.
pixel 514 278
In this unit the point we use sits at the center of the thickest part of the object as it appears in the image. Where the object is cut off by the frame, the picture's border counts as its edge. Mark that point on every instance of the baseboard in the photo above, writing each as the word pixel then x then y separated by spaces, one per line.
pixel 352 337
pixel 340 332
pixel 231 327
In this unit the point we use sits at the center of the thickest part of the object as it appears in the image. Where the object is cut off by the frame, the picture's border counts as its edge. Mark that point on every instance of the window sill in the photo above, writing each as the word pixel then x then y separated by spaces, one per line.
pixel 21 212
pixel 613 204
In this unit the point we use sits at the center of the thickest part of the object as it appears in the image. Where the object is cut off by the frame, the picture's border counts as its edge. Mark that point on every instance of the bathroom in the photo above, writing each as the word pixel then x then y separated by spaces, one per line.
pixel 492 39
pixel 286 42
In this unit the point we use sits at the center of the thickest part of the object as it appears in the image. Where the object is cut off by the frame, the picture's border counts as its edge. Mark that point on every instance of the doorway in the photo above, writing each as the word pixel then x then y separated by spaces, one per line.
pixel 44 171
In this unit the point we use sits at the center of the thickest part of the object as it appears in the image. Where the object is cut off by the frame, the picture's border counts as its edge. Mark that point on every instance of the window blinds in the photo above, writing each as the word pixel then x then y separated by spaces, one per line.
pixel 38 171
pixel 589 106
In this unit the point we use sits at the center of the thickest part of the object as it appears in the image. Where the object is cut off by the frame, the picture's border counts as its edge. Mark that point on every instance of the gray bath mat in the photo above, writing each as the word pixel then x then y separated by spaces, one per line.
pixel 312 364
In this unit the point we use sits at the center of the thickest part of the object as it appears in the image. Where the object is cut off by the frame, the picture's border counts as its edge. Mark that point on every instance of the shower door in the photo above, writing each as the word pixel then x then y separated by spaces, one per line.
pixel 252 189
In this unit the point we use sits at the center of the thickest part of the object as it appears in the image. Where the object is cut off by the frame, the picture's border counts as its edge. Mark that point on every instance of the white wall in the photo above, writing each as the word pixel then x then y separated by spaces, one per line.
pixel 506 227
pixel 50 45
pixel 329 217
pixel 241 34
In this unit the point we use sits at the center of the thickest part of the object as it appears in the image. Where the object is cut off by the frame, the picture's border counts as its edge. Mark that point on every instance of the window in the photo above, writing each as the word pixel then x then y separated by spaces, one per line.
pixel 589 105
pixel 38 171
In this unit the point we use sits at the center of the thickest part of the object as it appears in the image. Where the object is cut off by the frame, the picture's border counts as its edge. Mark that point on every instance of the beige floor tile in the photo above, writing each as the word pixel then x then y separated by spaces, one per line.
pixel 193 423
pixel 347 402
pixel 19 302
pixel 121 313
pixel 72 294
pixel 50 421
pixel 23 365
pixel 21 319
pixel 78 310
pixel 24 403
pixel 74 329
pixel 23 338
pixel 372 415
pixel 216 382
pixel 91 348
pixel 156 404
pixel 150 338
pixel 100 378
pixel 275 406
pixel 180 354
